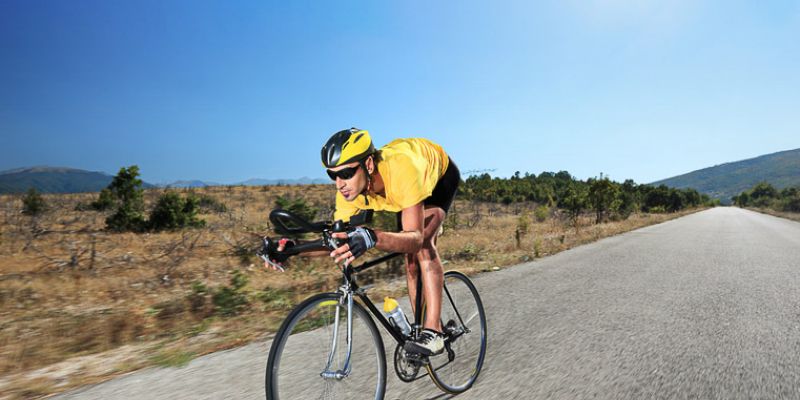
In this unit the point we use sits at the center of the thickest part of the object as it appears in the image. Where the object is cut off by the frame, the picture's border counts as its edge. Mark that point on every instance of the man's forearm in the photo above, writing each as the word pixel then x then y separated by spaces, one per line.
pixel 399 242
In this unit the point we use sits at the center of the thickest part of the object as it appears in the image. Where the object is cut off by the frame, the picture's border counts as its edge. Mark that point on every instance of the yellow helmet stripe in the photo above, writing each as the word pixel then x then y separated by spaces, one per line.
pixel 357 144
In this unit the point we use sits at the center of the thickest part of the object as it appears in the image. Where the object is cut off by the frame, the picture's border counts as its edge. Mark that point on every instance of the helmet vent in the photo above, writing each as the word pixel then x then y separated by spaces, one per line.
pixel 357 138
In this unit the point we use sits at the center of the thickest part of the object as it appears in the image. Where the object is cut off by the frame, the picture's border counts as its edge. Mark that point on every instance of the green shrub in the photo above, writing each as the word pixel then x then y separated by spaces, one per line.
pixel 230 300
pixel 33 203
pixel 105 201
pixel 792 203
pixel 197 298
pixel 275 298
pixel 523 223
pixel 126 219
pixel 541 213
pixel 657 210
pixel 174 212
pixel 207 203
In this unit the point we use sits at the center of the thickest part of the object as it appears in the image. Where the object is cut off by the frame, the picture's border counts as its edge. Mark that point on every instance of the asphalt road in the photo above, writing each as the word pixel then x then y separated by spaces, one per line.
pixel 702 307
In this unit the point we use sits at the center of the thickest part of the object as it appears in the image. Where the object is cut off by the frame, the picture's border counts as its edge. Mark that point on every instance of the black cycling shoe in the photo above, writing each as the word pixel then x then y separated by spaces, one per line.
pixel 430 343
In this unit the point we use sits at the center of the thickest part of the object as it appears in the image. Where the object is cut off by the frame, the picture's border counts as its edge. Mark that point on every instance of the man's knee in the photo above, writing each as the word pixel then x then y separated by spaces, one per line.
pixel 428 253
pixel 434 216
pixel 411 264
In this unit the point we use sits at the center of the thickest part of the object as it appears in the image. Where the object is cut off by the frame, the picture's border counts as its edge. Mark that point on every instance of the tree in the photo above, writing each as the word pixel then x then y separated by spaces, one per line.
pixel 742 200
pixel 127 189
pixel 656 198
pixel 33 204
pixel 602 194
pixel 763 195
pixel 629 199
pixel 575 200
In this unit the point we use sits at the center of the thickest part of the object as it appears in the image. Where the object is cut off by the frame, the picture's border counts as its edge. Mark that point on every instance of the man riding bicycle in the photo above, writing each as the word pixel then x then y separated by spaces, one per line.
pixel 414 177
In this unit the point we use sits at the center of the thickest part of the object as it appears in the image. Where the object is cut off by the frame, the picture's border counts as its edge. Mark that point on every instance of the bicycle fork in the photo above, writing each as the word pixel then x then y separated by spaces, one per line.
pixel 327 373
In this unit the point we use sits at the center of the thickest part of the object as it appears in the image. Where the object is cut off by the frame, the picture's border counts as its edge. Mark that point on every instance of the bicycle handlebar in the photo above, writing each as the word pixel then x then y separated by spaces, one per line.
pixel 282 219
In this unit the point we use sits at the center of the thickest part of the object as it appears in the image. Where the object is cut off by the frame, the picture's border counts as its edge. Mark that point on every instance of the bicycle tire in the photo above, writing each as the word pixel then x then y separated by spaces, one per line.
pixel 469 350
pixel 300 351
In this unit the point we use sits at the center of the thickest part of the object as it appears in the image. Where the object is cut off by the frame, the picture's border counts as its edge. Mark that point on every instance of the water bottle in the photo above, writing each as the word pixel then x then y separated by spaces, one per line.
pixel 396 316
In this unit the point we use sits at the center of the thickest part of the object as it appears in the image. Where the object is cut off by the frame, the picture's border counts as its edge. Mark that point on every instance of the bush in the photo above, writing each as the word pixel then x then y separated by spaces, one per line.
pixel 33 203
pixel 792 204
pixel 105 201
pixel 197 298
pixel 275 298
pixel 174 212
pixel 126 218
pixel 541 213
pixel 523 223
pixel 230 300
pixel 207 203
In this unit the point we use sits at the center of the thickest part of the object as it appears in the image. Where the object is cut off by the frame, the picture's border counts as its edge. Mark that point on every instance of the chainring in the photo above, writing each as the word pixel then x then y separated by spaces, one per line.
pixel 406 365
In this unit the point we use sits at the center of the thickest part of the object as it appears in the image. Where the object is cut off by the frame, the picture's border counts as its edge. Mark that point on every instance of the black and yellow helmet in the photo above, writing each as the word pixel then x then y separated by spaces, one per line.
pixel 347 146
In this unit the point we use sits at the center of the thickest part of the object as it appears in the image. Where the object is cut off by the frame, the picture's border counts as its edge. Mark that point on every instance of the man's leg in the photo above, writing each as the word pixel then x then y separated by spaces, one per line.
pixel 427 259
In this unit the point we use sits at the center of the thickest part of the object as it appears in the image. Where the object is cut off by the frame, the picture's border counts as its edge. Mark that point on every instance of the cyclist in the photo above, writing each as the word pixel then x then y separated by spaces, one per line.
pixel 417 179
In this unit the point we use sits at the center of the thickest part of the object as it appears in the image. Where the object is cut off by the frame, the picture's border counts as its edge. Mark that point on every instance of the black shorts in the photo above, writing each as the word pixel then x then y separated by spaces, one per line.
pixel 443 193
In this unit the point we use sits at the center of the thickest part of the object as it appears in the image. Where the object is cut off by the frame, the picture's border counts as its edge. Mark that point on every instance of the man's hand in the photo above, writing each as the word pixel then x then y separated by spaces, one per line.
pixel 359 240
pixel 270 253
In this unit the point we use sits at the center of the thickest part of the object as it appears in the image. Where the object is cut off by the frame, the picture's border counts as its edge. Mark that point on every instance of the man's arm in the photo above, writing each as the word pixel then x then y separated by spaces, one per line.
pixel 407 241
pixel 410 239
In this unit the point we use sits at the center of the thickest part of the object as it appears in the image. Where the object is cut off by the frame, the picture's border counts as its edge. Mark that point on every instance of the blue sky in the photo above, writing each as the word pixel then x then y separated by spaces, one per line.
pixel 226 91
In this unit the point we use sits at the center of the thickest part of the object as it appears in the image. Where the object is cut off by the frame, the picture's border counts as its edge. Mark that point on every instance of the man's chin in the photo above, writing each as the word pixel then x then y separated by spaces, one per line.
pixel 350 196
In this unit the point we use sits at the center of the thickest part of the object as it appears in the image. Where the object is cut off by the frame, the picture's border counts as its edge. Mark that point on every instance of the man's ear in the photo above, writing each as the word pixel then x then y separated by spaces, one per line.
pixel 370 163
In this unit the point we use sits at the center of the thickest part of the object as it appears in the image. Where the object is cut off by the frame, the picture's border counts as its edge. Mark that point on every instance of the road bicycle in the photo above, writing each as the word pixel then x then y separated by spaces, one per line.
pixel 330 347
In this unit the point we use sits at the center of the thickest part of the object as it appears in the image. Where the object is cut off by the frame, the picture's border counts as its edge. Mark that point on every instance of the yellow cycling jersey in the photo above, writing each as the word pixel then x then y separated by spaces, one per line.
pixel 410 169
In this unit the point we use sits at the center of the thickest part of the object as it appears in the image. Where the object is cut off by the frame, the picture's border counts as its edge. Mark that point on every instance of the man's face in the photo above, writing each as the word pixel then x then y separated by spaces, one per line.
pixel 352 187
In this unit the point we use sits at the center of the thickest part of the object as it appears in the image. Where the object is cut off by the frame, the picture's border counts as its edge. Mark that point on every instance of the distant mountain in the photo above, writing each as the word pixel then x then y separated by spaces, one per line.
pixel 249 182
pixel 71 180
pixel 302 181
pixel 54 180
pixel 190 184
pixel 724 181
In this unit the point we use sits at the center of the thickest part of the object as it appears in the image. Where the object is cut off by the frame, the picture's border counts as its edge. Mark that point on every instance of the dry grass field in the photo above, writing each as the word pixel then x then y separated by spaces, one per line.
pixel 783 214
pixel 79 304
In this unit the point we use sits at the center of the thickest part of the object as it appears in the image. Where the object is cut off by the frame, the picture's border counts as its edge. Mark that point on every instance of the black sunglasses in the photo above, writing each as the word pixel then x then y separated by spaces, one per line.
pixel 345 173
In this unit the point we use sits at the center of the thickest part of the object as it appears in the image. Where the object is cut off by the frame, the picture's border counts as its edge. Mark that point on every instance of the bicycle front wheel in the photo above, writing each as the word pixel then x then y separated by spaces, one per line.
pixel 312 343
pixel 464 324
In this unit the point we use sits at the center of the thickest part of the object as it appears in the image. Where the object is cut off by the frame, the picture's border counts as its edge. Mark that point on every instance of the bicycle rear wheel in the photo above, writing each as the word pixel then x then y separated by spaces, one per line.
pixel 308 340
pixel 464 322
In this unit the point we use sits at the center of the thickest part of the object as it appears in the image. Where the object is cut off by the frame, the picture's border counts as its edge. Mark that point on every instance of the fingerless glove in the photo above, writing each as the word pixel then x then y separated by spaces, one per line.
pixel 360 240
